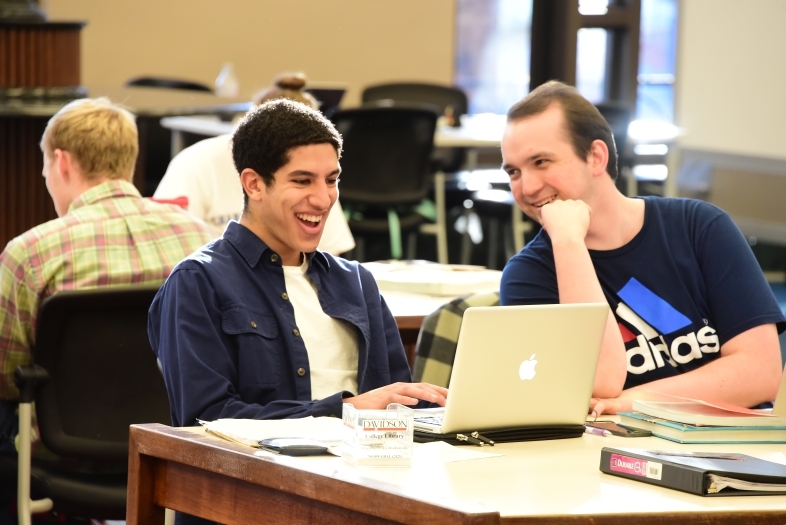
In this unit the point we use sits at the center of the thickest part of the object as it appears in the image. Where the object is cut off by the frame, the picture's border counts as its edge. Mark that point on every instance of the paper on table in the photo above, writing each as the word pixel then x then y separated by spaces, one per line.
pixel 433 279
pixel 441 452
pixel 380 267
pixel 251 431
pixel 718 483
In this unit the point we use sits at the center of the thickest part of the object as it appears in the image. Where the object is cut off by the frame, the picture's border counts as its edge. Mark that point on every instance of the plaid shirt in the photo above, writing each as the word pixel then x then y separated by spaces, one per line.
pixel 110 236
pixel 438 338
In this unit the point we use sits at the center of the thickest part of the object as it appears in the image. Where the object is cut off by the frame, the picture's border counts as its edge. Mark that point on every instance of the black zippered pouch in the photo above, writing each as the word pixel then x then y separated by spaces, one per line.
pixel 512 435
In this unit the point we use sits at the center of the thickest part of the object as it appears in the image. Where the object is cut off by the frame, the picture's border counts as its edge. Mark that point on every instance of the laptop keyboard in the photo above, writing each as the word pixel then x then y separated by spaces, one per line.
pixel 435 420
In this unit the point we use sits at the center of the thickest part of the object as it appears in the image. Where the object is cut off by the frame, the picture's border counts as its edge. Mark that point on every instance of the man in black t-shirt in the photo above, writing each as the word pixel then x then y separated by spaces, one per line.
pixel 691 314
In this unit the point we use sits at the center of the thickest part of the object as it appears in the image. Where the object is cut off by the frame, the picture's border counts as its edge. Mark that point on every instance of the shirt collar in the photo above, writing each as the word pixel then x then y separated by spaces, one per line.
pixel 106 190
pixel 252 248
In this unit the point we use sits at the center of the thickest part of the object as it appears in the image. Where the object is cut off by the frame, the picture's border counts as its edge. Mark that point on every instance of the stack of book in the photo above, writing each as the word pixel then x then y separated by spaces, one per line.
pixel 694 421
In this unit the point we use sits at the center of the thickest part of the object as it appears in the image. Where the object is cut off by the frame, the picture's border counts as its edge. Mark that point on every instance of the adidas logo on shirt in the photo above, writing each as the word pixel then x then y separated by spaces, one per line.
pixel 650 315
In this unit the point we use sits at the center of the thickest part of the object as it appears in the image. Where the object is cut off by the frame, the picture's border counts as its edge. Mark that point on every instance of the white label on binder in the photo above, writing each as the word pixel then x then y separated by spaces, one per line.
pixel 654 470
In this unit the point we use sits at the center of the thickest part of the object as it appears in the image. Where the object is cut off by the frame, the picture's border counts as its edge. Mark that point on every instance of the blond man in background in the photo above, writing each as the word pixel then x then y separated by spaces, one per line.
pixel 105 233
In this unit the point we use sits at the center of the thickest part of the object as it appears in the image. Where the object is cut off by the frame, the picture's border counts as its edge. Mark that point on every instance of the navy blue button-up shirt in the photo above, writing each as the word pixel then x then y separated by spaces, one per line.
pixel 228 342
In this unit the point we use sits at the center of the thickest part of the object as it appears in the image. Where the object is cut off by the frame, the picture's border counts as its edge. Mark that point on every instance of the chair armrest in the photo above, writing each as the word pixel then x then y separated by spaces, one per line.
pixel 27 378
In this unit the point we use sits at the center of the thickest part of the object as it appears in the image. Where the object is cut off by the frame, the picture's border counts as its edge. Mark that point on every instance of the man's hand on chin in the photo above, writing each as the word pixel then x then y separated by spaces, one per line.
pixel 566 219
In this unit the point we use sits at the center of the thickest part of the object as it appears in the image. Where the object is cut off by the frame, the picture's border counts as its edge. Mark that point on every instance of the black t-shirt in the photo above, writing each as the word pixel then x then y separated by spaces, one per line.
pixel 683 286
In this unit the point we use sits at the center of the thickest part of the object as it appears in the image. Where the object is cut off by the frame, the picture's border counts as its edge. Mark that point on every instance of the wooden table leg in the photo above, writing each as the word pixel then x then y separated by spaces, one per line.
pixel 140 506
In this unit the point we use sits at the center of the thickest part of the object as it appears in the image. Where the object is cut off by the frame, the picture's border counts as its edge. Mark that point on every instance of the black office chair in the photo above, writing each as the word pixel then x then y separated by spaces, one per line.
pixel 619 116
pixel 443 97
pixel 450 101
pixel 94 374
pixel 385 166
pixel 168 83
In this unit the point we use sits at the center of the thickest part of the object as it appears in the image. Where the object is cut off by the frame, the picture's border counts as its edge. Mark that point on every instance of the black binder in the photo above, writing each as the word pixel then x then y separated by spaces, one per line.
pixel 691 471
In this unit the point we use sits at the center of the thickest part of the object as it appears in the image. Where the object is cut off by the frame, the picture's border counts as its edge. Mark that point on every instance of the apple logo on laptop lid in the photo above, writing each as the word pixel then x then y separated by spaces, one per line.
pixel 527 368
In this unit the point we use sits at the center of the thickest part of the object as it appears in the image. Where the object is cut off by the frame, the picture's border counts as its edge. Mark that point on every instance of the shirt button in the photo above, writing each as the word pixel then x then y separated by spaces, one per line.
pixel 301 372
pixel 274 257
pixel 296 332
pixel 285 296
pixel 253 324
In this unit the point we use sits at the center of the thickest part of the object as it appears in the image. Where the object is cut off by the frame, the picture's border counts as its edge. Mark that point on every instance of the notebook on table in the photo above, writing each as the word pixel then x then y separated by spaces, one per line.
pixel 521 366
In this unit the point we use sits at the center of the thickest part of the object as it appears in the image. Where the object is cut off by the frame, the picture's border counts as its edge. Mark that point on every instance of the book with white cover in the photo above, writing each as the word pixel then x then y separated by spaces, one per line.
pixel 703 413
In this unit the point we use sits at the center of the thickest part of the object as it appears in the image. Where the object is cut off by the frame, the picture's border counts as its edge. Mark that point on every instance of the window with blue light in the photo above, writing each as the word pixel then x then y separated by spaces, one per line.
pixel 492 52
pixel 492 55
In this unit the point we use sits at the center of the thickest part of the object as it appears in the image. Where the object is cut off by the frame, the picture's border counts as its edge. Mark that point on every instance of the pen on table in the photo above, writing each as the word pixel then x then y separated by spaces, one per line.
pixel 597 431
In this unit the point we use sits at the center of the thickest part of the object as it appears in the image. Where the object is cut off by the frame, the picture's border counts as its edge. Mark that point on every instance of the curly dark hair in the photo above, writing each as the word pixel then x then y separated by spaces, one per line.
pixel 583 120
pixel 265 136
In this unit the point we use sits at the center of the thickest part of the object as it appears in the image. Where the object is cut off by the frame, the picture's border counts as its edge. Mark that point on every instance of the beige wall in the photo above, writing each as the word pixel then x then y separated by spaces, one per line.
pixel 731 107
pixel 731 76
pixel 359 42
pixel 762 197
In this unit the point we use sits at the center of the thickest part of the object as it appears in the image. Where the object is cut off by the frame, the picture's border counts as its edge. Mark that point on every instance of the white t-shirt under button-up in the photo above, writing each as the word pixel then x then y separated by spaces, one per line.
pixel 331 344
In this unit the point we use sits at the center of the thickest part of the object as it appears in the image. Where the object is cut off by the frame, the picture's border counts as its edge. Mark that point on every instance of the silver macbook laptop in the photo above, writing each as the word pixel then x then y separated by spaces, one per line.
pixel 519 366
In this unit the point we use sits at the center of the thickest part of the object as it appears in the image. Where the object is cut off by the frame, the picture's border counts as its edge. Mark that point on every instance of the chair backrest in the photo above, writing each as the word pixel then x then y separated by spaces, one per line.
pixel 438 96
pixel 103 375
pixel 438 338
pixel 329 99
pixel 435 94
pixel 168 83
pixel 386 157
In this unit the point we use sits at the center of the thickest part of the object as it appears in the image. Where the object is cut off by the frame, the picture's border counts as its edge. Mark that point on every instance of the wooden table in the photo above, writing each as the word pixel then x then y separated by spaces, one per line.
pixel 548 482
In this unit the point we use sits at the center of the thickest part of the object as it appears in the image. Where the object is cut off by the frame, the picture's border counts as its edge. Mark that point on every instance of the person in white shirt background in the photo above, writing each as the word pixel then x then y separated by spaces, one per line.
pixel 205 173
